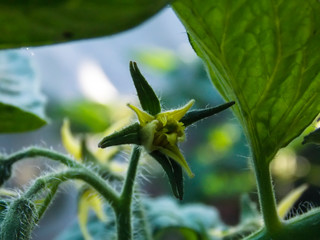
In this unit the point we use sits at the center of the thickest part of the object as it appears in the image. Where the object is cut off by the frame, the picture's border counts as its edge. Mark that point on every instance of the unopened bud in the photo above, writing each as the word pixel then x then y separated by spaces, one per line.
pixel 19 220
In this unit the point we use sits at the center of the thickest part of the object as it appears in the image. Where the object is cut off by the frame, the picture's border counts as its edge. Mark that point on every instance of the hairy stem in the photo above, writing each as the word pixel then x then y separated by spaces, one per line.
pixel 83 174
pixel 266 196
pixel 124 211
pixel 40 152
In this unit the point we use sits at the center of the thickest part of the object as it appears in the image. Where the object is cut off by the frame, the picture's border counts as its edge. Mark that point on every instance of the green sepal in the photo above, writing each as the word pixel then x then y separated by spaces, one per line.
pixel 147 97
pixel 173 171
pixel 313 137
pixel 128 135
pixel 19 221
pixel 199 114
pixel 5 171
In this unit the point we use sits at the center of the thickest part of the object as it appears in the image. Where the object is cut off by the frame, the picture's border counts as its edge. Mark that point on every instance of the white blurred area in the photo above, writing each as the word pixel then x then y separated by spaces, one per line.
pixel 94 83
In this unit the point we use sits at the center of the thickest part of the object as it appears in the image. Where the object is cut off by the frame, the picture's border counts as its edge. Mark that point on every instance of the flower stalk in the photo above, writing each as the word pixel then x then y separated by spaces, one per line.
pixel 123 210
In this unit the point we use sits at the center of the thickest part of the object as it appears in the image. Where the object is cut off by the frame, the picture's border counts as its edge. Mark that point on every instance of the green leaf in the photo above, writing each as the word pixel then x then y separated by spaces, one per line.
pixel 263 55
pixel 85 115
pixel 21 103
pixel 30 22
pixel 147 97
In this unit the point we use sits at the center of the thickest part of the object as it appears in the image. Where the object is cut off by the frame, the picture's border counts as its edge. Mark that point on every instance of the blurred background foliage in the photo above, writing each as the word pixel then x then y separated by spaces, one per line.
pixel 216 148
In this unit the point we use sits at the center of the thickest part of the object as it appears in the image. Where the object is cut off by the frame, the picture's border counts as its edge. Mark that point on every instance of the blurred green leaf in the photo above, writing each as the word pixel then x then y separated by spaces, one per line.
pixel 98 230
pixel 214 184
pixel 85 115
pixel 35 22
pixel 165 214
pixel 161 59
pixel 264 55
pixel 21 103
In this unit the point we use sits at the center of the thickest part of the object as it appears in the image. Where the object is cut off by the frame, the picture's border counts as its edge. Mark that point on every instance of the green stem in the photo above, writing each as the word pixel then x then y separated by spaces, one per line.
pixel 124 211
pixel 266 196
pixel 40 152
pixel 83 174
pixel 305 226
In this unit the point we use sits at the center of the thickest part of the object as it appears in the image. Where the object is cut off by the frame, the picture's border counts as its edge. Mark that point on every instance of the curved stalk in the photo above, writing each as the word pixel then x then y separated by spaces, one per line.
pixel 83 174
pixel 40 152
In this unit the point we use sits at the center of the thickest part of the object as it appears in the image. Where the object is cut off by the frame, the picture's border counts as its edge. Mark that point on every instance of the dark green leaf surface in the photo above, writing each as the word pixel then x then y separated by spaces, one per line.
pixel 265 56
pixel 34 22
pixel 21 103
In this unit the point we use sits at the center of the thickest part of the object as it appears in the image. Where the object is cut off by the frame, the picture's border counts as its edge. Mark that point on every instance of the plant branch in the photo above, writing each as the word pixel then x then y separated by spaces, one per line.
pixel 124 211
pixel 40 152
pixel 83 174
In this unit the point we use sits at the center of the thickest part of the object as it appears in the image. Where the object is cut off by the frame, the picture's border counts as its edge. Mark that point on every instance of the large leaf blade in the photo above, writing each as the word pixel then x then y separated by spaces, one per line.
pixel 263 55
pixel 26 23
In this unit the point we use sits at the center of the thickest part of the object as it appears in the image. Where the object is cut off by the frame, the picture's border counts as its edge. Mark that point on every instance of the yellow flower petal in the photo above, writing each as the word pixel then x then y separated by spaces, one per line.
pixel 174 153
pixel 104 156
pixel 71 144
pixel 286 204
pixel 143 116
pixel 177 114
pixel 89 200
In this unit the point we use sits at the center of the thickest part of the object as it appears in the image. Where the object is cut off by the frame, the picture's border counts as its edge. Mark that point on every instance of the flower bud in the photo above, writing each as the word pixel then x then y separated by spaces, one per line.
pixel 19 220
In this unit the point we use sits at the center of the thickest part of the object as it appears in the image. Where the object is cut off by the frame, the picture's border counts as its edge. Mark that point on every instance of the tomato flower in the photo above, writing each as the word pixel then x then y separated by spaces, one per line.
pixel 163 131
